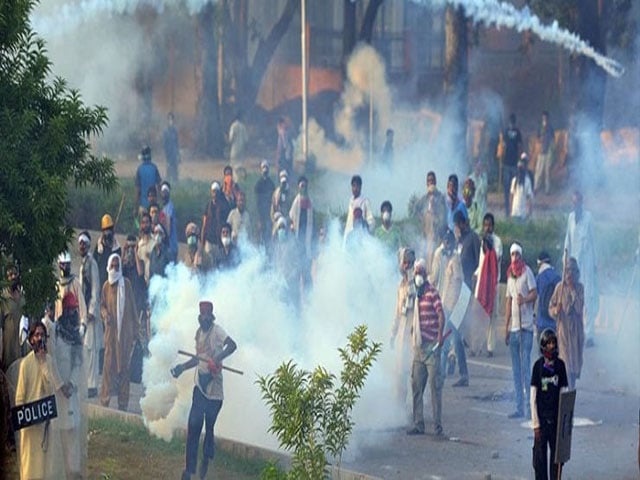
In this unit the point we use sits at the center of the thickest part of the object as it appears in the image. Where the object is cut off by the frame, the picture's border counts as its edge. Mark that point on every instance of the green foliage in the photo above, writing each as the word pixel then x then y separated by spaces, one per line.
pixel 44 140
pixel 311 414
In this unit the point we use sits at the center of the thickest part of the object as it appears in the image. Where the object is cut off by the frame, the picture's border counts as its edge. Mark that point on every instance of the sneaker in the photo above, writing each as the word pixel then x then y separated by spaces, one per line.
pixel 516 414
pixel 463 382
pixel 415 431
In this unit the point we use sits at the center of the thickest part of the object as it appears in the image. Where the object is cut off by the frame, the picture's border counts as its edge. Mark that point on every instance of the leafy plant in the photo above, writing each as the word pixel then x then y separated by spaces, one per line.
pixel 311 412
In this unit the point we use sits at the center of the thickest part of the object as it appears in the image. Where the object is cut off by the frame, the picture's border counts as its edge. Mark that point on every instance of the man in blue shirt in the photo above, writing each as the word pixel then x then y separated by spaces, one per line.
pixel 546 282
pixel 147 176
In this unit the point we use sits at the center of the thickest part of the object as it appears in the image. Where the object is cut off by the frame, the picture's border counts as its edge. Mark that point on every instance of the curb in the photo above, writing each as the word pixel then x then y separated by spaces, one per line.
pixel 241 450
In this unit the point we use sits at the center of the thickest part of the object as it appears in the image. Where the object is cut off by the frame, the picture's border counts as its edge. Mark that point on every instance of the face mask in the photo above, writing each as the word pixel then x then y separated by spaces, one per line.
pixel 386 216
pixel 419 280
pixel 226 241
pixel 282 234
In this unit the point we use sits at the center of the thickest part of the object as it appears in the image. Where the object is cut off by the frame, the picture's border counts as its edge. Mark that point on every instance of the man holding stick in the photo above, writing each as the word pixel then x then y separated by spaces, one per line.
pixel 212 346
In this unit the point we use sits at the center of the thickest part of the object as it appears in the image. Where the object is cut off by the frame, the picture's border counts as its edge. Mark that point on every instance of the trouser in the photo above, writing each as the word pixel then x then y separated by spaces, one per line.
pixel 71 448
pixel 458 347
pixel 425 369
pixel 520 343
pixel 543 168
pixel 507 175
pixel 203 410
pixel 115 383
pixel 540 464
pixel 493 322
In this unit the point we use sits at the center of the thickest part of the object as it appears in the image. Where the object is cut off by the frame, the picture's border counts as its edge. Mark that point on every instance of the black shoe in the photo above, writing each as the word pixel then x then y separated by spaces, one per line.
pixel 92 393
pixel 489 354
pixel 439 433
pixel 463 382
pixel 204 466
pixel 415 431
pixel 516 414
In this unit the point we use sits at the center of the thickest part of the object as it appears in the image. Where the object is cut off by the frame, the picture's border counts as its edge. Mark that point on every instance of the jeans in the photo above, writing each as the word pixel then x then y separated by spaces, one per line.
pixel 521 367
pixel 540 463
pixel 507 175
pixel 458 346
pixel 426 367
pixel 202 411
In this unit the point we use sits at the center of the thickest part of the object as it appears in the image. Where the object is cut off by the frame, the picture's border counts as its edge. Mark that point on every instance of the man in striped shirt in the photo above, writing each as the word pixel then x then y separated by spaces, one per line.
pixel 428 322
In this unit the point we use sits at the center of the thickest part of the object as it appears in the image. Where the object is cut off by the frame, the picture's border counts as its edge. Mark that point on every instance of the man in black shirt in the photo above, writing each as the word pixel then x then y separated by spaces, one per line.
pixel 468 247
pixel 512 139
pixel 548 379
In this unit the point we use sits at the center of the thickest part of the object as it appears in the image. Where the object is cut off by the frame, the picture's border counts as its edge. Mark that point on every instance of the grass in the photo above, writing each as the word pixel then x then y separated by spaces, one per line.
pixel 125 451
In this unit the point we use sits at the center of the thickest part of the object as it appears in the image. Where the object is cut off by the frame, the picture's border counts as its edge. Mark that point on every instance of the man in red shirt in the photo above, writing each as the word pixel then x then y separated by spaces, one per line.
pixel 428 322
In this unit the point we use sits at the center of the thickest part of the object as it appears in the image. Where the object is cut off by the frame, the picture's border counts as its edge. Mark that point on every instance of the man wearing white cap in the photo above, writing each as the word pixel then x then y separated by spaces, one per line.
pixel 215 215
pixel 520 297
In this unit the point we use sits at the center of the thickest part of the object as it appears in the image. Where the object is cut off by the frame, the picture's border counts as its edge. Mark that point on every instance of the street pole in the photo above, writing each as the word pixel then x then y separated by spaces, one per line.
pixel 370 120
pixel 303 41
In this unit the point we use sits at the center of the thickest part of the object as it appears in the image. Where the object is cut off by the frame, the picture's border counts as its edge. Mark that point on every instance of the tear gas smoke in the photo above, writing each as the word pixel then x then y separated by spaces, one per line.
pixel 503 14
pixel 251 305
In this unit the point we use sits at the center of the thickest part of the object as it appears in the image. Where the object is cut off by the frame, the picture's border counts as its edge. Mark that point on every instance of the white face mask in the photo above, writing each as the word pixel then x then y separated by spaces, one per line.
pixel 419 279
pixel 386 216
pixel 226 241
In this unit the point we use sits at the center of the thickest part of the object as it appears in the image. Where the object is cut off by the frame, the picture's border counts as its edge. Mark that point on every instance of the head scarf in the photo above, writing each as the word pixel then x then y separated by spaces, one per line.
pixel 517 266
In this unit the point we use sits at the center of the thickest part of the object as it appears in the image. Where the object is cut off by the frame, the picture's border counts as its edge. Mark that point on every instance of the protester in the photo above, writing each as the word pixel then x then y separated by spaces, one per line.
pixel 488 276
pixel 543 163
pixel 579 243
pixel 454 202
pixel 226 254
pixel 264 191
pixel 473 209
pixel 358 233
pixel 566 307
pixel 229 187
pixel 402 323
pixel 432 213
pixel 213 345
pixel 388 232
pixel 145 247
pixel 238 140
pixel 360 202
pixel 239 219
pixel 520 297
pixel 301 217
pixel 89 279
pixel 67 282
pixel 133 270
pixel 512 139
pixel 195 258
pixel 387 150
pixel 159 256
pixel 282 198
pixel 11 309
pixel 215 214
pixel 169 223
pixel 521 192
pixel 546 282
pixel 548 380
pixel 40 451
pixel 428 322
pixel 479 178
pixel 147 175
pixel 171 144
pixel 106 245
pixel 468 247
pixel 284 148
pixel 67 352
pixel 122 328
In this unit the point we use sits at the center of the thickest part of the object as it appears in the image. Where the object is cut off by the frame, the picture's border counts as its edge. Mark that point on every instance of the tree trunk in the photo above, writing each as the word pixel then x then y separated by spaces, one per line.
pixel 456 78
pixel 369 20
pixel 266 49
pixel 209 134
pixel 348 30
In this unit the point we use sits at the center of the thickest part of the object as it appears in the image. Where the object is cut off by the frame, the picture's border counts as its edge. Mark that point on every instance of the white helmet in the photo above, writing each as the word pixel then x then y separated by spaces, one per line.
pixel 64 257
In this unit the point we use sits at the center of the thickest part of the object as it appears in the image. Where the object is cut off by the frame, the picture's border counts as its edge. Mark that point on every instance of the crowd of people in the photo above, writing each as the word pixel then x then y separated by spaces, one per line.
pixel 81 348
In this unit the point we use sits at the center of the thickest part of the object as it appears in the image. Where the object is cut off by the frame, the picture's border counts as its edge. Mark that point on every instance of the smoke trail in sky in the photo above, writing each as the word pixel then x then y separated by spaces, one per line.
pixel 503 14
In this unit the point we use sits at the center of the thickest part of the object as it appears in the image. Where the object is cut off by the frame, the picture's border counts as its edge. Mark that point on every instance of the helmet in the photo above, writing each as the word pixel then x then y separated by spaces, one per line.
pixel 547 335
pixel 64 257
pixel 107 222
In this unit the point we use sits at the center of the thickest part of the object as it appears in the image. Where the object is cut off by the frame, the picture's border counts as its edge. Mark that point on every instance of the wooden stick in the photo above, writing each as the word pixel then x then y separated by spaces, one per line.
pixel 224 367
pixel 119 212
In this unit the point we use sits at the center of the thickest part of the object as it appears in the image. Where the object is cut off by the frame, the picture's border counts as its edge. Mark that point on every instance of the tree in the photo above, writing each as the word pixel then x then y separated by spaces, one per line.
pixel 310 414
pixel 44 140
pixel 350 26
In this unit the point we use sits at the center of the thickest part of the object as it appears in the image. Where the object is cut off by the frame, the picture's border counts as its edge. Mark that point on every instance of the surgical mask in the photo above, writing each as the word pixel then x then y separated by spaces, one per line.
pixel 226 241
pixel 419 280
pixel 386 216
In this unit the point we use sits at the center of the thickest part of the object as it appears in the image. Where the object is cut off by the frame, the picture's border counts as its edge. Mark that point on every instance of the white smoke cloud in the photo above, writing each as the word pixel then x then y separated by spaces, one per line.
pixel 350 289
